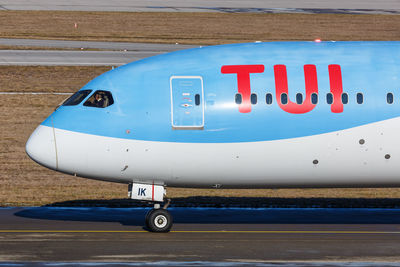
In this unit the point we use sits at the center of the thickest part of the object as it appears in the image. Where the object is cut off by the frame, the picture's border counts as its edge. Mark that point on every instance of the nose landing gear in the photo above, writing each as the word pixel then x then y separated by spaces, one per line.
pixel 157 219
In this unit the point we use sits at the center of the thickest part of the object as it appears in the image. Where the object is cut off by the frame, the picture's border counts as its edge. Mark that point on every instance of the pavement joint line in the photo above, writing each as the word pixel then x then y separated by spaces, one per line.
pixel 204 231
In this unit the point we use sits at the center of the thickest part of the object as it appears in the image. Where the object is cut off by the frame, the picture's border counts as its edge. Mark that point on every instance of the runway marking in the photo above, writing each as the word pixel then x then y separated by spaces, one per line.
pixel 203 231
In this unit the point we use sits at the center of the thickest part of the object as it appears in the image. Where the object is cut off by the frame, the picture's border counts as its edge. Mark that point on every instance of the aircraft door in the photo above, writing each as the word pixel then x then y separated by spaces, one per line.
pixel 187 104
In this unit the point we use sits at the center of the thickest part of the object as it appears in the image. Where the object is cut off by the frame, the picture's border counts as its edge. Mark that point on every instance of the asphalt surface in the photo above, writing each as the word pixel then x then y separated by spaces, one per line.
pixel 265 6
pixel 118 46
pixel 71 58
pixel 201 235
pixel 116 54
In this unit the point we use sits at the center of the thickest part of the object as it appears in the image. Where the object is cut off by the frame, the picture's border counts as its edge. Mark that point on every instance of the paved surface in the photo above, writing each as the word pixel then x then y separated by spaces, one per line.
pixel 207 263
pixel 72 58
pixel 120 46
pixel 269 6
pixel 233 235
pixel 123 52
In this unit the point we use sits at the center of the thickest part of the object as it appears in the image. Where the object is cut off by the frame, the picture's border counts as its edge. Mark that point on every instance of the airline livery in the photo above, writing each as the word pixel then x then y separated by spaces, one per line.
pixel 257 115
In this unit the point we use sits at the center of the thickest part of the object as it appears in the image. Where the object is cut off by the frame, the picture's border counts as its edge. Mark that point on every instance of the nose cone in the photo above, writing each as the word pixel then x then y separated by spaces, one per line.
pixel 41 147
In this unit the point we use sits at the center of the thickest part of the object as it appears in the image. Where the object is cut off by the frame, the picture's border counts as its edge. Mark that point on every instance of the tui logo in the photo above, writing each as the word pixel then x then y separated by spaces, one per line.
pixel 281 86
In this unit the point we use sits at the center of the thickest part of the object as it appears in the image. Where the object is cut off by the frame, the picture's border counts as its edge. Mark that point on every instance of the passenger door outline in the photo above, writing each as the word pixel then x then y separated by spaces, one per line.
pixel 186 87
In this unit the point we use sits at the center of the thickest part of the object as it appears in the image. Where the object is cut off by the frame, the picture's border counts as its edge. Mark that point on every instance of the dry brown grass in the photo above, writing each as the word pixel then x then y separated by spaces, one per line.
pixel 23 182
pixel 46 79
pixel 196 28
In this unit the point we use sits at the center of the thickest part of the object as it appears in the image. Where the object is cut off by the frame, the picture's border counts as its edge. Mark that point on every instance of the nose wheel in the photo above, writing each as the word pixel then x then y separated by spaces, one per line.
pixel 159 220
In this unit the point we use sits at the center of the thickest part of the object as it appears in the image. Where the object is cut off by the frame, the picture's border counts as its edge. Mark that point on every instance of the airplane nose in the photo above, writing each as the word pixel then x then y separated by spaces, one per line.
pixel 42 148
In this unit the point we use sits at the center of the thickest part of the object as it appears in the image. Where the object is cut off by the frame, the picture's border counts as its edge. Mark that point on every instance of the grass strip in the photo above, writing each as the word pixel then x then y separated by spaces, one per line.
pixel 196 28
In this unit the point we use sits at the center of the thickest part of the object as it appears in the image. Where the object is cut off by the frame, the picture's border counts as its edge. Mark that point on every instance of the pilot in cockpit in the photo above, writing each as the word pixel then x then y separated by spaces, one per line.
pixel 98 101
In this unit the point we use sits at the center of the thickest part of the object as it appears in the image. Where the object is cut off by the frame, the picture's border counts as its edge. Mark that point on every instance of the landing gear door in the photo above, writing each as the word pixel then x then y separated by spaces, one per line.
pixel 187 102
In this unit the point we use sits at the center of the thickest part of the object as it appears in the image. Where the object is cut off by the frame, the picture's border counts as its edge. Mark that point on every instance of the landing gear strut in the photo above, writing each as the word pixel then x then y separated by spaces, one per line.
pixel 157 219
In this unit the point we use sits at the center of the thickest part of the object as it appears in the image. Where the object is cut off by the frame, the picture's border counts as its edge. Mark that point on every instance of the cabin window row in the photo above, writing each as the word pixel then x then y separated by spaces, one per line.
pixel 314 98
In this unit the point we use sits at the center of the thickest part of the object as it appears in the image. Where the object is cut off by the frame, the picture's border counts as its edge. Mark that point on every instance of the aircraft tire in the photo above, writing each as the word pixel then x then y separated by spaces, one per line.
pixel 159 221
pixel 147 218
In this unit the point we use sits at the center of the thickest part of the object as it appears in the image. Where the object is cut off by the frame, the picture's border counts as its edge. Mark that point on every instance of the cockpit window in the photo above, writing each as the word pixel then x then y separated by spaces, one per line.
pixel 100 99
pixel 76 98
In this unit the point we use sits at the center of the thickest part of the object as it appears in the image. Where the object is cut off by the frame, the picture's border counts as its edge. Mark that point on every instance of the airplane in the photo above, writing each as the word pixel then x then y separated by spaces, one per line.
pixel 253 115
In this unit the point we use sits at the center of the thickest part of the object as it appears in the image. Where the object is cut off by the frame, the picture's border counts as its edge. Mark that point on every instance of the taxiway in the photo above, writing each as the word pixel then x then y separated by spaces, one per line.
pixel 262 6
pixel 117 53
pixel 199 234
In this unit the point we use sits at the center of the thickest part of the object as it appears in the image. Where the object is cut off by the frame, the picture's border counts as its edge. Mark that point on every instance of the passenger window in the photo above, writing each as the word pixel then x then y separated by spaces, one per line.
pixel 329 98
pixel 238 99
pixel 314 98
pixel 77 98
pixel 360 98
pixel 299 98
pixel 345 98
pixel 100 99
pixel 284 98
pixel 268 99
pixel 389 98
pixel 253 99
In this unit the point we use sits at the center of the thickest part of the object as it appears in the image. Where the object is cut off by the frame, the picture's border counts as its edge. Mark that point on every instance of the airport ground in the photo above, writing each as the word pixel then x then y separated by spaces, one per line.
pixel 196 28
pixel 24 183
pixel 252 236
pixel 238 6
pixel 223 236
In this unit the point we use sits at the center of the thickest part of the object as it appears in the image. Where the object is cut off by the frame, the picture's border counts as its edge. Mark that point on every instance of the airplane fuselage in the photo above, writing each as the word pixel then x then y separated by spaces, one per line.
pixel 297 114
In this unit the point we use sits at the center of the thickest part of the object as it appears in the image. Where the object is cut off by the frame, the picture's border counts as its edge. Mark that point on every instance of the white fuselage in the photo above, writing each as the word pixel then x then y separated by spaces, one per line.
pixel 363 156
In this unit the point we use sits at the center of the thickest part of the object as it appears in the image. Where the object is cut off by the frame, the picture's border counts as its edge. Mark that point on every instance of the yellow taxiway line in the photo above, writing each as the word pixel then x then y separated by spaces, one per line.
pixel 204 231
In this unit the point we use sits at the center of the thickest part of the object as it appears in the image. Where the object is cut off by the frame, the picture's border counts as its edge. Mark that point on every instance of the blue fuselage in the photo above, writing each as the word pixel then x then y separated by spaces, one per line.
pixel 142 93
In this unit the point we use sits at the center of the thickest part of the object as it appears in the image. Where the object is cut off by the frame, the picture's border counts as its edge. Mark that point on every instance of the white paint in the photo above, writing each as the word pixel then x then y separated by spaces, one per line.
pixel 41 147
pixel 342 161
pixel 148 192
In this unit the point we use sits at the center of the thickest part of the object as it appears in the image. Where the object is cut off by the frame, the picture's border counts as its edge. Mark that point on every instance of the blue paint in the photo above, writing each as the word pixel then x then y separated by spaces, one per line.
pixel 141 91
pixel 185 111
